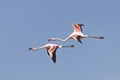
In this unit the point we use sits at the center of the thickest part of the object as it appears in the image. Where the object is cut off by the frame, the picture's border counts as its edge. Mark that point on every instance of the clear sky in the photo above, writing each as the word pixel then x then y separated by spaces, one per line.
pixel 29 23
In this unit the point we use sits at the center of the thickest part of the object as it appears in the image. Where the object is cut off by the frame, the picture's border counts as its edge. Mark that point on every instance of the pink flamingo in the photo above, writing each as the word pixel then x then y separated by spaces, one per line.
pixel 76 35
pixel 51 49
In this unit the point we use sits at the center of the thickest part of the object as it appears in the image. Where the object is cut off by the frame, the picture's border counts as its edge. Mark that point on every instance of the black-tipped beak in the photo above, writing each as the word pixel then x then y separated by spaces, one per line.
pixel 79 40
pixel 49 40
pixel 30 48
pixel 81 24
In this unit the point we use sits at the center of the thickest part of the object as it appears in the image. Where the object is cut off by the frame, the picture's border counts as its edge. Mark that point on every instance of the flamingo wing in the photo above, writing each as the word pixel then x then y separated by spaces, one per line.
pixel 77 27
pixel 52 53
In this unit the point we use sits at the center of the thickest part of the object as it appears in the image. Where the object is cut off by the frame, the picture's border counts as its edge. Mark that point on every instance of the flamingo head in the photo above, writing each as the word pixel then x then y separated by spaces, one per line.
pixel 52 39
pixel 31 49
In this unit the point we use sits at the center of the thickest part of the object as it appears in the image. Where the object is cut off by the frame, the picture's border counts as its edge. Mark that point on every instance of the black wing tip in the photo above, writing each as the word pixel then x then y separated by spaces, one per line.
pixel 102 37
pixel 54 60
pixel 81 24
pixel 30 48
pixel 79 40
pixel 49 40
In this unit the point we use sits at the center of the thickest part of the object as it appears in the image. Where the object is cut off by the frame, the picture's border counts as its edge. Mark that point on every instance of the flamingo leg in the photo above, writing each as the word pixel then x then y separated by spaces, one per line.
pixel 98 37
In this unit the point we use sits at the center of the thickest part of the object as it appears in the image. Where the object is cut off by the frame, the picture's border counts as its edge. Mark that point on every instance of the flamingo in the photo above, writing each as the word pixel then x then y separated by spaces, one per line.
pixel 51 49
pixel 76 35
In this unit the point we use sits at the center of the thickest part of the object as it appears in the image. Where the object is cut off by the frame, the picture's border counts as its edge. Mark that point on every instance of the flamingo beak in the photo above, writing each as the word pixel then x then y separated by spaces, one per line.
pixel 81 42
pixel 31 49
pixel 49 40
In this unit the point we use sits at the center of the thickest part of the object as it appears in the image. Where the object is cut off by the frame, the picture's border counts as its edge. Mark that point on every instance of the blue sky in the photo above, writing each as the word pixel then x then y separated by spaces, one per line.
pixel 29 23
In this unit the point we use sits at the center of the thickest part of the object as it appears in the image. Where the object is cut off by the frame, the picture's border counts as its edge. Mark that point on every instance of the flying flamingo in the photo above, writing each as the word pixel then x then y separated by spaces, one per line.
pixel 76 35
pixel 51 49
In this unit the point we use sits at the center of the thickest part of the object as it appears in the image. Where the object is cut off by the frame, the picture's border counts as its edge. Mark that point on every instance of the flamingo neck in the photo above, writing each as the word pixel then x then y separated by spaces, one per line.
pixel 38 48
pixel 61 39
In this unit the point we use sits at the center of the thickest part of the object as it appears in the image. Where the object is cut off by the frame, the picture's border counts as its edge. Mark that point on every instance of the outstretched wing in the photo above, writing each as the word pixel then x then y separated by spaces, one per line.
pixel 77 27
pixel 52 53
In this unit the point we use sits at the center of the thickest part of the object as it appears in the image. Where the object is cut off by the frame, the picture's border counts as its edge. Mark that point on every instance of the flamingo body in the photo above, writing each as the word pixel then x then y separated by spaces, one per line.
pixel 51 49
pixel 76 35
